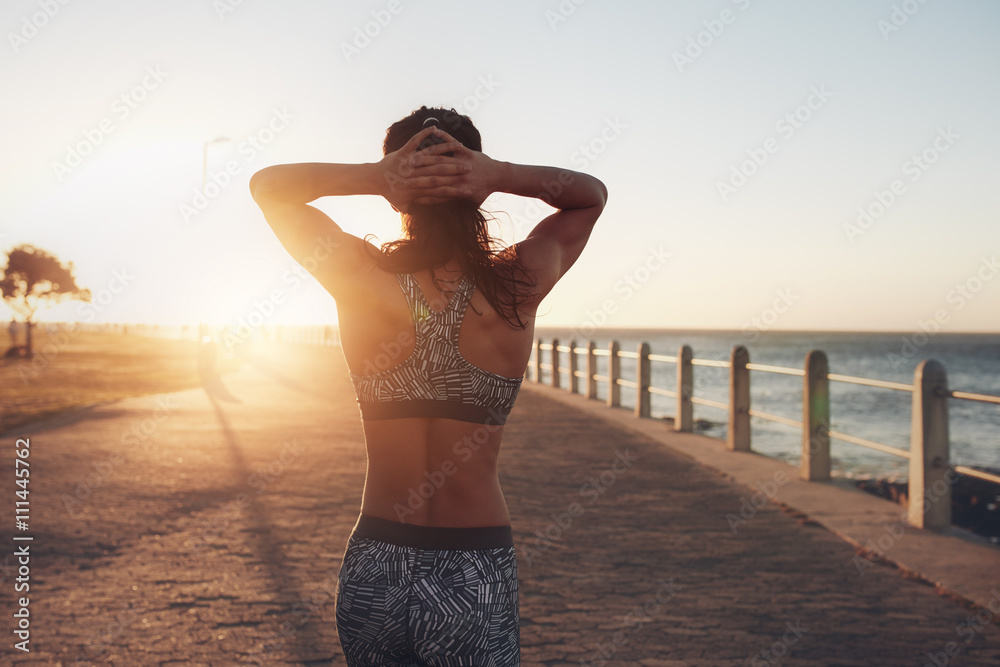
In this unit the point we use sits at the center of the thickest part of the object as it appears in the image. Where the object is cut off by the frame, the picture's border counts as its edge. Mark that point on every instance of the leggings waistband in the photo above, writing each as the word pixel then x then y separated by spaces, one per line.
pixel 433 537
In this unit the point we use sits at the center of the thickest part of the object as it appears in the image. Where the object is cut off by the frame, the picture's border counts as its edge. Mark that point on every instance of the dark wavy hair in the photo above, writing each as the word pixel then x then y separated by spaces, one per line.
pixel 436 233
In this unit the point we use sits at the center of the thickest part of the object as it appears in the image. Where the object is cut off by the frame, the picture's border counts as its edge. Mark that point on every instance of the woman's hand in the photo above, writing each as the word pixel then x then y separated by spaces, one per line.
pixel 408 176
pixel 477 176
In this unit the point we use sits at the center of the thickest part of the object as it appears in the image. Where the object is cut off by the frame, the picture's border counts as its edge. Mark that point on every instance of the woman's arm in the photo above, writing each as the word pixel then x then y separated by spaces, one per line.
pixel 555 243
pixel 335 257
pixel 309 235
pixel 306 182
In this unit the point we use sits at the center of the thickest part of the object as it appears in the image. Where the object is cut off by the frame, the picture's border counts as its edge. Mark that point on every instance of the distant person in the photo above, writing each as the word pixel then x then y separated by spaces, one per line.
pixel 437 330
pixel 13 330
pixel 208 359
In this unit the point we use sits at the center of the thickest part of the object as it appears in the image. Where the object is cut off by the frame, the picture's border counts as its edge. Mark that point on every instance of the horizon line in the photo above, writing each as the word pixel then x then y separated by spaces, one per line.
pixel 553 327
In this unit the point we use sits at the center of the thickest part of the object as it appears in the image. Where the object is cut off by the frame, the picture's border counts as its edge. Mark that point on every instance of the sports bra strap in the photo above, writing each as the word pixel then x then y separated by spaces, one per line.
pixel 419 310
pixel 446 322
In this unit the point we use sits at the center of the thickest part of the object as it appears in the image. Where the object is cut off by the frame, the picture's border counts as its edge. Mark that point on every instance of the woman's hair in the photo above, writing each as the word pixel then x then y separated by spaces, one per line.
pixel 436 233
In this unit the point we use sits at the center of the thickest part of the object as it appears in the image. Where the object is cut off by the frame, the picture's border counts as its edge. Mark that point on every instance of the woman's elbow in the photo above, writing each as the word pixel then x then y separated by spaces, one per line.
pixel 603 191
pixel 261 184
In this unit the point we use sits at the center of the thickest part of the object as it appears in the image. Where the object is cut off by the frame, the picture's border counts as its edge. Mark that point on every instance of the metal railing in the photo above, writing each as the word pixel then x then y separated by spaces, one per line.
pixel 930 470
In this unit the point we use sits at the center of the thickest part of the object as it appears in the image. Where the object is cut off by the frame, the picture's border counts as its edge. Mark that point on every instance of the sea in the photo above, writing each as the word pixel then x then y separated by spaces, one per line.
pixel 972 363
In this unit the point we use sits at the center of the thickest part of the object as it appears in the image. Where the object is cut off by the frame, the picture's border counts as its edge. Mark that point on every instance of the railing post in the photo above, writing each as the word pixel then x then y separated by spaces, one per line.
pixel 815 465
pixel 614 371
pixel 738 436
pixel 930 490
pixel 555 363
pixel 574 385
pixel 642 372
pixel 685 390
pixel 591 370
pixel 538 360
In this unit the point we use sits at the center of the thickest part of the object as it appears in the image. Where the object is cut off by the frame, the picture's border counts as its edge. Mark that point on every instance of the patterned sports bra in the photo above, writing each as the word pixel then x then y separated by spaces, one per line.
pixel 436 380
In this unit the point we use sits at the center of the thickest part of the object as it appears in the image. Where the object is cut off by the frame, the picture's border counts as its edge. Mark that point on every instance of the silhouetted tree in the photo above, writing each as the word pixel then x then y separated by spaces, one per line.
pixel 34 278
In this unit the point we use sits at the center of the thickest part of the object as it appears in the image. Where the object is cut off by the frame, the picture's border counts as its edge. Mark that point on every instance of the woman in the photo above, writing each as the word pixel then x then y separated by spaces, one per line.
pixel 436 330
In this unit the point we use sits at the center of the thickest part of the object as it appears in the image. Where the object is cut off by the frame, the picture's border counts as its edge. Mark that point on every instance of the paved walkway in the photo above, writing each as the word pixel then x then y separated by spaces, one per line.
pixel 207 528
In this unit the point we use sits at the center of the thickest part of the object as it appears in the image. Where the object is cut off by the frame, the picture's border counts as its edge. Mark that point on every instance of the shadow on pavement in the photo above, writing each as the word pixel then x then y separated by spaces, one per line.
pixel 264 542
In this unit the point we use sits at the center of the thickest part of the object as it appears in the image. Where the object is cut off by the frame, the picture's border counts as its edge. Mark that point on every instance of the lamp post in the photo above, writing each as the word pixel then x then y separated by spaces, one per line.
pixel 204 158
pixel 203 331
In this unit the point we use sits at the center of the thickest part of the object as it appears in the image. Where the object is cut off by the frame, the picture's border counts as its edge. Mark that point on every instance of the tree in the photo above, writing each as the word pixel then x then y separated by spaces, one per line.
pixel 34 278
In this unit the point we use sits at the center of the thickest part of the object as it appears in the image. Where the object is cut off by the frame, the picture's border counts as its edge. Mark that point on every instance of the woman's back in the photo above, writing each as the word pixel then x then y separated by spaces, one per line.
pixel 433 470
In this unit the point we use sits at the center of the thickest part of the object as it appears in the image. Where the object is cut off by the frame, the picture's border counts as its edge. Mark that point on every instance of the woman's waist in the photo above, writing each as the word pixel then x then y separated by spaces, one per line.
pixel 422 480
pixel 431 460
pixel 435 499
pixel 432 537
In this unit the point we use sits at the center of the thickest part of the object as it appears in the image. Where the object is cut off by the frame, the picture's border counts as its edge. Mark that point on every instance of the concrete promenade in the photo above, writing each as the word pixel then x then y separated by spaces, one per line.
pixel 207 527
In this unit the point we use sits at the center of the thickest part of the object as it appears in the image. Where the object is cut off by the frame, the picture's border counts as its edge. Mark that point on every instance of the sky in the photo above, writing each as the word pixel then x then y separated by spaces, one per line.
pixel 771 164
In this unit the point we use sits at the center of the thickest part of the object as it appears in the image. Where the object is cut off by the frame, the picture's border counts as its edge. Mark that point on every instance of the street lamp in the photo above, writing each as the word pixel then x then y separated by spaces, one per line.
pixel 204 158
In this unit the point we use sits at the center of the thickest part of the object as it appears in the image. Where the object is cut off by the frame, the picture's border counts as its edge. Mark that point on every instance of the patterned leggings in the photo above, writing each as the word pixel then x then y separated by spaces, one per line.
pixel 418 595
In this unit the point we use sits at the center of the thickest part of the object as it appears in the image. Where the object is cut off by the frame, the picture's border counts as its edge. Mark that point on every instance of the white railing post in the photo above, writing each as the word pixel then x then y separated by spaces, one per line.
pixel 815 465
pixel 591 370
pixel 574 385
pixel 929 487
pixel 685 390
pixel 555 362
pixel 642 372
pixel 538 360
pixel 614 371
pixel 738 436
